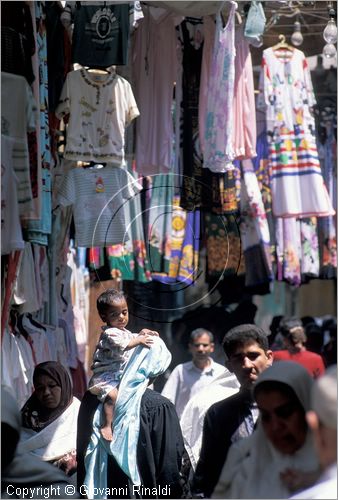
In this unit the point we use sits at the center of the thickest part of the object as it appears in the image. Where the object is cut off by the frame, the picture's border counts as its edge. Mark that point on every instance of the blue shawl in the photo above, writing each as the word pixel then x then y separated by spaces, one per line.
pixel 143 365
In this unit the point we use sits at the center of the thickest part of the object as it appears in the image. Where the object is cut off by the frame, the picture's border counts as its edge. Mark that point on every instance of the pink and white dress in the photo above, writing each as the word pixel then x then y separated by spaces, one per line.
pixel 218 144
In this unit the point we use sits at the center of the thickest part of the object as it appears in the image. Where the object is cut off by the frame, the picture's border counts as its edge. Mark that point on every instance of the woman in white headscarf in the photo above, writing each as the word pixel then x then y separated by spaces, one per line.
pixel 24 475
pixel 279 457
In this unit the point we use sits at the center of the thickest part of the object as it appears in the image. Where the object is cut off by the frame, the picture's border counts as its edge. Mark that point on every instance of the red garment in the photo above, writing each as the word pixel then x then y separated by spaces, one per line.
pixel 310 360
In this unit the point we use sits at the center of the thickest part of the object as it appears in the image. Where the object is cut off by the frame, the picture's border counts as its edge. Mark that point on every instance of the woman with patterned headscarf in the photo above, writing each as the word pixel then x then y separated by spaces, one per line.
pixel 49 418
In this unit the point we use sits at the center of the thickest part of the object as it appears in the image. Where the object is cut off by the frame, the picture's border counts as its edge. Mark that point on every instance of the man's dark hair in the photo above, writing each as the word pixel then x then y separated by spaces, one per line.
pixel 107 298
pixel 244 334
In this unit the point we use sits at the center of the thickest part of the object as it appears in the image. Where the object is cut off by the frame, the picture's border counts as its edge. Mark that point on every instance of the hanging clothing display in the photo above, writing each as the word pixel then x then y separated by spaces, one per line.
pixel 288 250
pixel 287 98
pixel 98 196
pixel 101 32
pixel 223 244
pixel 18 116
pixel 11 233
pixel 17 39
pixel 327 233
pixel 309 259
pixel 160 223
pixel 38 229
pixel 209 28
pixel 254 230
pixel 189 258
pixel 244 109
pixel 98 118
pixel 129 260
pixel 154 73
pixel 192 183
pixel 218 148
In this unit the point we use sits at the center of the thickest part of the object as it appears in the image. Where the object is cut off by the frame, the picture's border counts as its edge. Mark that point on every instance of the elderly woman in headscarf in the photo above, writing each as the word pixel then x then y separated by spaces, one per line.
pixel 279 457
pixel 49 418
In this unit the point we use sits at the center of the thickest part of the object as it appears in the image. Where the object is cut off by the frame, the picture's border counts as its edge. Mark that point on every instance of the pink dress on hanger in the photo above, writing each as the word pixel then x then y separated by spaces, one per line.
pixel 154 73
pixel 218 153
pixel 244 110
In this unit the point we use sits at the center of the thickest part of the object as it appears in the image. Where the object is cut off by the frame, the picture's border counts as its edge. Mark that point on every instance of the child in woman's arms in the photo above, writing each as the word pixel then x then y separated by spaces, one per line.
pixel 113 352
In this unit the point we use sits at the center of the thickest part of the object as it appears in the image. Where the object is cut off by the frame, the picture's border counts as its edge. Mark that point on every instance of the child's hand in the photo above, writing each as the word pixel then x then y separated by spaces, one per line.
pixel 145 339
pixel 145 331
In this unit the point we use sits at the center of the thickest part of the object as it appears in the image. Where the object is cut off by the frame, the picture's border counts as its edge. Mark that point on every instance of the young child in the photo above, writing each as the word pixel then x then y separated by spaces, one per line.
pixel 113 352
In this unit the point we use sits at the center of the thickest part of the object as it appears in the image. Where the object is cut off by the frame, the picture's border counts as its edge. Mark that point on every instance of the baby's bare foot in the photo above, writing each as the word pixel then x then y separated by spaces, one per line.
pixel 107 433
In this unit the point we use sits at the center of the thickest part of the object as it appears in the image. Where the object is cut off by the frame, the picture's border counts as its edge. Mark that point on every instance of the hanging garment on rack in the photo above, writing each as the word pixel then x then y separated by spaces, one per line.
pixel 244 109
pixel 98 197
pixel 159 229
pixel 154 73
pixel 11 233
pixel 17 366
pixel 184 247
pixel 327 233
pixel 25 294
pixel 189 259
pixel 18 116
pixel 37 231
pixel 17 40
pixel 129 261
pixel 287 98
pixel 254 230
pixel 219 154
pixel 209 28
pixel 223 243
pixel 309 262
pixel 193 179
pixel 98 118
pixel 288 250
pixel 100 34
pixel 39 339
pixel 261 168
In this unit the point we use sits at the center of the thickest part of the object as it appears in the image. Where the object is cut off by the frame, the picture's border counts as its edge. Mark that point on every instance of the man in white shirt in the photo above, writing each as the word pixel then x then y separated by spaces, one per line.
pixel 188 378
pixel 322 421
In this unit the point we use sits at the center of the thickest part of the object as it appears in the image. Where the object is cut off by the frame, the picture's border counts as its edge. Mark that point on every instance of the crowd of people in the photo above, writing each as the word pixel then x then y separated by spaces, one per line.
pixel 263 425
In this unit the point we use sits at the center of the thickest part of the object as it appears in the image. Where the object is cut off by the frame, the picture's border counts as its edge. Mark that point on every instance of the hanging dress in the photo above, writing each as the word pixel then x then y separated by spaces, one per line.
pixel 287 98
pixel 218 144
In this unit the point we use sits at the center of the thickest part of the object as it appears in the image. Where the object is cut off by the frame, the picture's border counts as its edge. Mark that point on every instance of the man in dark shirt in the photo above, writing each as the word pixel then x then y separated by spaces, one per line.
pixel 160 450
pixel 247 352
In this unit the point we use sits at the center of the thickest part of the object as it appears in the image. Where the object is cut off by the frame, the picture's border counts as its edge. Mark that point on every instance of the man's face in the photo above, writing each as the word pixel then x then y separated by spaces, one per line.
pixel 201 347
pixel 248 361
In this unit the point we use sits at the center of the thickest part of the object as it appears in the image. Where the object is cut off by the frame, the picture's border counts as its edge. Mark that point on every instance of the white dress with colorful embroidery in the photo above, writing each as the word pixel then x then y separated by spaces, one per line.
pixel 287 97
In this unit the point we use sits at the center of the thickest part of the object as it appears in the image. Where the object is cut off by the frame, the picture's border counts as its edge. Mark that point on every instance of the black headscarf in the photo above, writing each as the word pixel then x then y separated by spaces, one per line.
pixel 36 416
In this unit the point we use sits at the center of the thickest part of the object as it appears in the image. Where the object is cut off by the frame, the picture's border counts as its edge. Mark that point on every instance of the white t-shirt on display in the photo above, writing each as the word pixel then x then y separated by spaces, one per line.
pixel 100 107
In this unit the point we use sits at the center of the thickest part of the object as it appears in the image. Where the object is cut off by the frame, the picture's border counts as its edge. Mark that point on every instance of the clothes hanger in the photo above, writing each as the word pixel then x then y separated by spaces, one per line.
pixel 98 70
pixel 282 44
pixel 93 164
